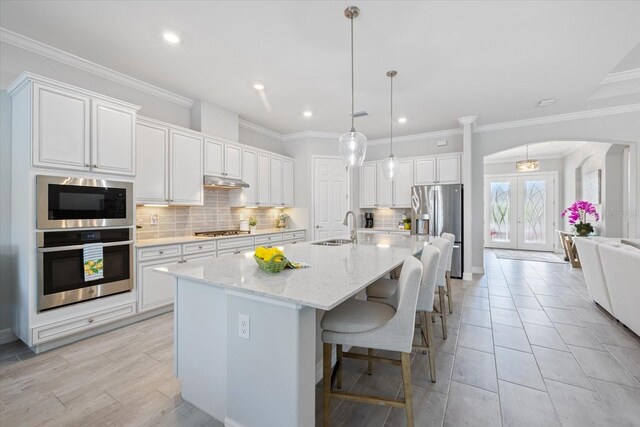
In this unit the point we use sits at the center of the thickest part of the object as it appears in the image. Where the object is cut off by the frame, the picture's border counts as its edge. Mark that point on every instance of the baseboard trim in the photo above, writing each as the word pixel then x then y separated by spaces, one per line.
pixel 477 270
pixel 467 277
pixel 6 336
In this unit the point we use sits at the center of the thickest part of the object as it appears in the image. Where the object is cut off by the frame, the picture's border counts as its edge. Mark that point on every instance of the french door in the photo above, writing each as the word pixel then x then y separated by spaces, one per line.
pixel 519 211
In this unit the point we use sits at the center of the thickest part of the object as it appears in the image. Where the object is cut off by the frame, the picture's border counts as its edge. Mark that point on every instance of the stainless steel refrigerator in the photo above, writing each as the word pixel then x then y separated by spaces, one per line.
pixel 443 205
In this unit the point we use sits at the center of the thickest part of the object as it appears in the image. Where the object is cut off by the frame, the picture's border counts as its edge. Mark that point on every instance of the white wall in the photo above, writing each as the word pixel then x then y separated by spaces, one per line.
pixel 621 128
pixel 260 140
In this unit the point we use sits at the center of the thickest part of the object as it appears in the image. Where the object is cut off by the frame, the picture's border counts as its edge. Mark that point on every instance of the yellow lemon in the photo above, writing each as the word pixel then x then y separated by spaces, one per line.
pixel 260 252
pixel 272 253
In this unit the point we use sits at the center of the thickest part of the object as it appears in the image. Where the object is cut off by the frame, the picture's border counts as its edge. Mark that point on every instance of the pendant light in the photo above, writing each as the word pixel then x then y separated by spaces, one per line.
pixel 527 165
pixel 390 164
pixel 352 144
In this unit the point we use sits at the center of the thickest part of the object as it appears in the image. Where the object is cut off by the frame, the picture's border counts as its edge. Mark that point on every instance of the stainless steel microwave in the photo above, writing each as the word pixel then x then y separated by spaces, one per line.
pixel 64 202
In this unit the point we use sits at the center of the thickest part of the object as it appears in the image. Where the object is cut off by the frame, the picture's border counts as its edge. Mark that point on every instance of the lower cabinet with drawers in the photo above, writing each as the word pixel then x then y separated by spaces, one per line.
pixel 156 290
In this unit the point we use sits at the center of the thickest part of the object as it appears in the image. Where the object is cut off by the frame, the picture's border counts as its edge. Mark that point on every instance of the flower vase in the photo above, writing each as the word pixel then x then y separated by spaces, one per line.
pixel 252 229
pixel 583 228
pixel 282 224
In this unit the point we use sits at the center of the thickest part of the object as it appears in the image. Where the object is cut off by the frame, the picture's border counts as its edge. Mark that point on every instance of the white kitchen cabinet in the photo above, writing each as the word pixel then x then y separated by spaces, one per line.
pixel 287 183
pixel 152 177
pixel 61 128
pixel 425 171
pixel 155 289
pixel 247 196
pixel 222 159
pixel 74 129
pixel 264 179
pixel 402 185
pixel 213 157
pixel 383 189
pixel 234 251
pixel 448 170
pixel 368 173
pixel 232 161
pixel 185 171
pixel 199 257
pixel 276 182
pixel 113 138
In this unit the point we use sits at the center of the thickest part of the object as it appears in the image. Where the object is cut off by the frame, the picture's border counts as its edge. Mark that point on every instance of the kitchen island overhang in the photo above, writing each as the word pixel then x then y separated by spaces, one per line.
pixel 269 378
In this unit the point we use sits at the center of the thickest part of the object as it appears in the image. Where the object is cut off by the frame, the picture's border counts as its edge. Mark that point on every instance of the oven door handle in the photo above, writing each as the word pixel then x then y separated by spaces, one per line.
pixel 74 247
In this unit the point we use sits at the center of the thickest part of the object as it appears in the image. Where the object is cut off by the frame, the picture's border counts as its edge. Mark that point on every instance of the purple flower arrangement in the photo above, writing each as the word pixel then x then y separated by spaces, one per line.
pixel 578 213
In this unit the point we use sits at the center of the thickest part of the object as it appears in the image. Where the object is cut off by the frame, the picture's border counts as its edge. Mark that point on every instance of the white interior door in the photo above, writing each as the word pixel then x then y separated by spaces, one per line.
pixel 331 197
pixel 519 211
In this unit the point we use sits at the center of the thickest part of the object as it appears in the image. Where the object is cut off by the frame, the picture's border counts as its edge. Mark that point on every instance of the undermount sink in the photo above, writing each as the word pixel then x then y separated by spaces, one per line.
pixel 333 242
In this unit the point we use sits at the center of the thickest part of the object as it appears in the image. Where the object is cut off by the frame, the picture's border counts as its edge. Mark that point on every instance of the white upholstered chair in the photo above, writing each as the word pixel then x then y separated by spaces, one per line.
pixel 452 239
pixel 441 280
pixel 592 270
pixel 373 325
pixel 621 266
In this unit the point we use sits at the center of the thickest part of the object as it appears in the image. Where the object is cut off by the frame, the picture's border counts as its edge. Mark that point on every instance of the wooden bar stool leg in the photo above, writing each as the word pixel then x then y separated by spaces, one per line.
pixel 423 330
pixel 432 353
pixel 370 363
pixel 443 312
pixel 339 369
pixel 408 393
pixel 326 384
pixel 449 293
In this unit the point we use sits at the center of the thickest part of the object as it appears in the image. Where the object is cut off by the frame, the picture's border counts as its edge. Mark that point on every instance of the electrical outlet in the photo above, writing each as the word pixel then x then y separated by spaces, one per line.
pixel 243 326
pixel 154 219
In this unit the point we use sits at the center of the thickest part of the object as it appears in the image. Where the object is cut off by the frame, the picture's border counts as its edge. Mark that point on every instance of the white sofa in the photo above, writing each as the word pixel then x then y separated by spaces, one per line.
pixel 621 266
pixel 592 269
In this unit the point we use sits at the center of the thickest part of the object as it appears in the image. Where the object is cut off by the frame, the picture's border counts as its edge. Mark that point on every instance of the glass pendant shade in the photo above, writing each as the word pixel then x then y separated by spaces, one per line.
pixel 353 147
pixel 390 167
pixel 527 166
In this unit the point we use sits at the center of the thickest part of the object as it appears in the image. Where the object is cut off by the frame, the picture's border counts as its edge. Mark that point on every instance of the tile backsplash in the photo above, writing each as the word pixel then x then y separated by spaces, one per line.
pixel 216 214
pixel 387 218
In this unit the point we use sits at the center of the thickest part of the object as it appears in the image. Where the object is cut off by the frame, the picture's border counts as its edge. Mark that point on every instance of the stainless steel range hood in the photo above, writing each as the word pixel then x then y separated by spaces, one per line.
pixel 220 182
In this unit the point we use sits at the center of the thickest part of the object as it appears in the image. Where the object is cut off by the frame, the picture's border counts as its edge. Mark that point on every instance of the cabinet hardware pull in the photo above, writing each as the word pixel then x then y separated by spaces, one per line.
pixel 160 252
pixel 91 320
pixel 200 247
pixel 94 166
pixel 87 165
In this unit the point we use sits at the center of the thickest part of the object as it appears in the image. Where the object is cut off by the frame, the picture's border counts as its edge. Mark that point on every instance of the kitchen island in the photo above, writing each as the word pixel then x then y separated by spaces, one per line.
pixel 245 340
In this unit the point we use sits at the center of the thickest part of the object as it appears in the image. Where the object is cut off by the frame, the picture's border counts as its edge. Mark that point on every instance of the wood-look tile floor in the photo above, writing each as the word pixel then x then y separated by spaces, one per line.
pixel 526 346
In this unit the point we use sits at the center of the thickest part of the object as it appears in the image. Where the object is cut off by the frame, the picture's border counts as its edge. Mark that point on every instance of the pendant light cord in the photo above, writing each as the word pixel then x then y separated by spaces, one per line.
pixel 353 128
pixel 391 121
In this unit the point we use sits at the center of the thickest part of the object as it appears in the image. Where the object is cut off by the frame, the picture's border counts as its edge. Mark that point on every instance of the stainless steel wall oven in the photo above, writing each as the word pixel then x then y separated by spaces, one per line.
pixel 61 277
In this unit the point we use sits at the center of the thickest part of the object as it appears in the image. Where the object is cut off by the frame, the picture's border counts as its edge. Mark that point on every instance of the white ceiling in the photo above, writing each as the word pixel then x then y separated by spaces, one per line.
pixel 542 150
pixel 491 59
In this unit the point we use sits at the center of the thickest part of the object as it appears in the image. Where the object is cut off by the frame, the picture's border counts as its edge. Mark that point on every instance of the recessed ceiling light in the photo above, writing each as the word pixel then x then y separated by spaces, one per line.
pixel 258 86
pixel 171 38
pixel 402 120
pixel 307 113
pixel 546 102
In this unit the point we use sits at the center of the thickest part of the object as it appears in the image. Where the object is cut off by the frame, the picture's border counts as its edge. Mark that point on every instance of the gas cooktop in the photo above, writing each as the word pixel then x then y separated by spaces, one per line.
pixel 219 233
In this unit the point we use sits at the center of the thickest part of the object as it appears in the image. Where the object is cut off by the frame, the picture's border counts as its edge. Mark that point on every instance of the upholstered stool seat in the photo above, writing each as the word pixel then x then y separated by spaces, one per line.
pixel 382 289
pixel 356 315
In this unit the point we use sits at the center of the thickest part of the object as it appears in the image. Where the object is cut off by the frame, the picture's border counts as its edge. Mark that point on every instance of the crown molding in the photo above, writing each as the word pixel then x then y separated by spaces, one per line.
pixel 311 134
pixel 259 129
pixel 417 137
pixel 467 120
pixel 622 76
pixel 609 111
pixel 18 40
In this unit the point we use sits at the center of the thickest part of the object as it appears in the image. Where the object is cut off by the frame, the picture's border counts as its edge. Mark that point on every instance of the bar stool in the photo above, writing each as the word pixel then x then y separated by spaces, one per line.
pixel 430 258
pixel 452 239
pixel 373 325
pixel 441 281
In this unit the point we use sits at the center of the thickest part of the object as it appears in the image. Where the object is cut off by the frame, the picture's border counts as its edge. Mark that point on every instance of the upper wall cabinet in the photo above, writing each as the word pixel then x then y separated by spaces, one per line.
pixel 368 175
pixel 276 182
pixel 425 171
pixel 170 165
pixel 287 183
pixel 401 186
pixel 264 180
pixel 448 171
pixel 222 159
pixel 75 129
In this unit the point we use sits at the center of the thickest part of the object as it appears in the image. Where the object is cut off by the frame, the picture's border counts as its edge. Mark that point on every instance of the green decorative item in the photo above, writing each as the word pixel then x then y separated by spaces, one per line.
pixel 276 265
pixel 583 228
pixel 252 224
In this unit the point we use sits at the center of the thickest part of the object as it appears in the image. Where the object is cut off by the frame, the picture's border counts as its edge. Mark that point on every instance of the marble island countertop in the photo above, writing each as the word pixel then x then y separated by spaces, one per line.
pixel 189 239
pixel 336 273
pixel 384 230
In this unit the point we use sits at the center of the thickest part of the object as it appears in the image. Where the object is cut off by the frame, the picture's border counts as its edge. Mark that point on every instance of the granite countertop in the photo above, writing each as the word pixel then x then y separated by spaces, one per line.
pixel 191 239
pixel 336 274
